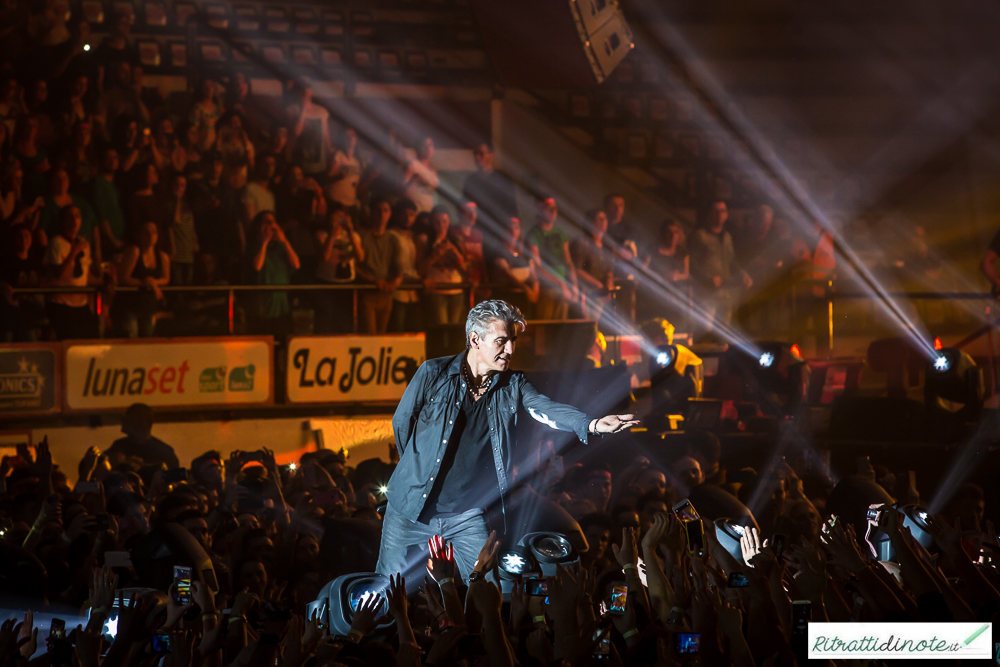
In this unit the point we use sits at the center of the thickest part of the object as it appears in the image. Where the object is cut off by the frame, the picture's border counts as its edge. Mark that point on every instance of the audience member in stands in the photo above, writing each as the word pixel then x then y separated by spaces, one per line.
pixel 549 247
pixel 687 471
pixel 300 198
pixel 187 141
pixel 14 208
pixel 183 244
pixel 145 204
pixel 340 251
pixel 120 99
pixel 491 191
pixel 58 198
pixel 406 310
pixel 441 262
pixel 107 203
pixel 273 263
pixel 19 267
pixel 345 173
pixel 468 238
pixel 69 264
pixel 116 47
pixel 205 113
pixel 81 158
pixel 232 141
pixel 39 105
pixel 231 223
pixel 33 158
pixel 719 278
pixel 144 265
pixel 258 195
pixel 420 182
pixel 513 265
pixel 380 267
pixel 310 135
pixel 139 444
pixel 624 237
pixel 595 266
pixel 667 294
pixel 11 102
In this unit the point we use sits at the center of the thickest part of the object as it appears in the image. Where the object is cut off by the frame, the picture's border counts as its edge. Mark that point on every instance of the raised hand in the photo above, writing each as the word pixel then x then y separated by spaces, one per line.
pixel 175 610
pixel 486 560
pixel 30 633
pixel 949 538
pixel 627 555
pixel 441 564
pixel 10 639
pixel 367 617
pixel 844 549
pixel 102 592
pixel 396 596
pixel 657 532
pixel 432 603
pixel 749 545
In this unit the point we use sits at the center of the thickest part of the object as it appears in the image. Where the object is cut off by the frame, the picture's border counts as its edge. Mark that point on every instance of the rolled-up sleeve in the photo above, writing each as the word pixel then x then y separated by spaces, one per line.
pixel 555 415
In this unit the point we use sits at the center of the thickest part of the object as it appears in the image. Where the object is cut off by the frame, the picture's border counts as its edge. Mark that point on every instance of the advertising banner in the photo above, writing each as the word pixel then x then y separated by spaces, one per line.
pixel 192 372
pixel 351 369
pixel 29 378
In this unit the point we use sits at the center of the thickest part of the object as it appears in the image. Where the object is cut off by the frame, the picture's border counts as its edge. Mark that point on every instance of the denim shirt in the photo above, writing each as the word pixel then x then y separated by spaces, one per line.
pixel 426 416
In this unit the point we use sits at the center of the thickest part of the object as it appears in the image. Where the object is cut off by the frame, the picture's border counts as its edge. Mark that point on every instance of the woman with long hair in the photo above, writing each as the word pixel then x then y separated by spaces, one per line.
pixel 141 265
pixel 339 254
pixel 205 113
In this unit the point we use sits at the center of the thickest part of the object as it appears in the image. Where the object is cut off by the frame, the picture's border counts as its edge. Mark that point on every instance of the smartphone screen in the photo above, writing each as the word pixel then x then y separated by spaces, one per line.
pixel 536 588
pixel 182 579
pixel 686 643
pixel 619 597
pixel 686 511
pixel 57 630
pixel 695 536
pixel 737 580
pixel 161 642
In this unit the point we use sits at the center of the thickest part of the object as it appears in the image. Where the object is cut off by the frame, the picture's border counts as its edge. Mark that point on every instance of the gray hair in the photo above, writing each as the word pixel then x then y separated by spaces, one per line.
pixel 486 313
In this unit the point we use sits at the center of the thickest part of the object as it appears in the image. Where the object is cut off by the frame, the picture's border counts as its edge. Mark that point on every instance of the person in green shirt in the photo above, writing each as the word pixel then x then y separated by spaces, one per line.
pixel 550 248
pixel 273 264
pixel 106 200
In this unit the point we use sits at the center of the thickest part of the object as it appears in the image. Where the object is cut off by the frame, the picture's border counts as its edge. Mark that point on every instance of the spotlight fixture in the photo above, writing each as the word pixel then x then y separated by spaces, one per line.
pixel 953 386
pixel 774 375
pixel 549 550
pixel 342 597
pixel 513 564
pixel 292 467
pixel 914 518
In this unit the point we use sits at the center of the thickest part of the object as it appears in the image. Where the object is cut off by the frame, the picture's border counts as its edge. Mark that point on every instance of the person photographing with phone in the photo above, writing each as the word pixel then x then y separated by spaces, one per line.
pixel 455 429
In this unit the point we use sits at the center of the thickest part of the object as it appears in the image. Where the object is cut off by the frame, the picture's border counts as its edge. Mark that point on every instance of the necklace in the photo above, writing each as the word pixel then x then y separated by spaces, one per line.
pixel 476 390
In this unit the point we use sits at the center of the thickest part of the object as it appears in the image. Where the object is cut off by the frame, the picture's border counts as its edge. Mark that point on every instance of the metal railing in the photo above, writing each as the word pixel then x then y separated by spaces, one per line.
pixel 100 293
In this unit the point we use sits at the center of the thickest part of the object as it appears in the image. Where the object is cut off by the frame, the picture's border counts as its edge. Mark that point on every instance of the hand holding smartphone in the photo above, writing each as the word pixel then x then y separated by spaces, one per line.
pixel 182 582
pixel 619 598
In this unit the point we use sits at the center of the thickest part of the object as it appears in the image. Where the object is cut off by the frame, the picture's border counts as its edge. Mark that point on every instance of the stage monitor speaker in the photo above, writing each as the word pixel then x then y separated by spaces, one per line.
pixel 553 43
